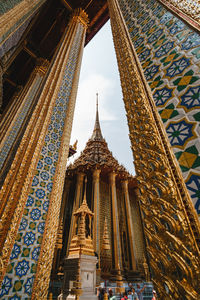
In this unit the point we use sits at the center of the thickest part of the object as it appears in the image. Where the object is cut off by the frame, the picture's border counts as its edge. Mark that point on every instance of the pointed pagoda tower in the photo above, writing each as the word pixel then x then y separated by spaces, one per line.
pixel 117 232
pixel 80 264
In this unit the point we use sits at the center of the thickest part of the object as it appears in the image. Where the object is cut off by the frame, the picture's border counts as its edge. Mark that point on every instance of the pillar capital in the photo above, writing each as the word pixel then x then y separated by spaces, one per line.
pixel 124 184
pixel 112 177
pixel 42 66
pixel 96 174
pixel 80 176
pixel 81 16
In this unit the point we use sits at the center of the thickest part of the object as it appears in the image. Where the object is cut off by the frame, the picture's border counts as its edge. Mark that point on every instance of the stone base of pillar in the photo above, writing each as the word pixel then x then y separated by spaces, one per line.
pixel 82 268
pixel 69 297
pixel 116 275
pixel 73 297
pixel 119 280
pixel 134 276
pixel 94 297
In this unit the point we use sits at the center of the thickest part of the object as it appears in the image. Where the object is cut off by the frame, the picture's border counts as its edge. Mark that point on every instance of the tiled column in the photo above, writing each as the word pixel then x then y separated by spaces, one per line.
pixel 1 86
pixel 129 223
pixel 17 114
pixel 168 227
pixel 116 234
pixel 39 171
pixel 15 17
pixel 79 189
pixel 11 128
pixel 96 225
pixel 168 56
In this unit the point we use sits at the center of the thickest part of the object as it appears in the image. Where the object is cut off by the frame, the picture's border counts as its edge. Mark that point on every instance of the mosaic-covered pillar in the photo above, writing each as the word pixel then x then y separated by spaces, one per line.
pixel 1 86
pixel 27 252
pixel 169 52
pixel 11 126
pixel 117 257
pixel 129 223
pixel 15 17
pixel 96 225
pixel 167 226
pixel 115 223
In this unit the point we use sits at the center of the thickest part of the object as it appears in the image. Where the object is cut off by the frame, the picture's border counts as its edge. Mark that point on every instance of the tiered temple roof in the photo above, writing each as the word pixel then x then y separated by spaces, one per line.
pixel 97 155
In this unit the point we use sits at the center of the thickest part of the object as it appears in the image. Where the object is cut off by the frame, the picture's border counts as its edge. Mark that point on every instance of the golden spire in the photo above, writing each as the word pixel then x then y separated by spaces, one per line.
pixel 74 147
pixel 84 203
pixel 80 244
pixel 97 135
pixel 81 231
pixel 106 242
pixel 84 209
pixel 59 235
pixel 105 254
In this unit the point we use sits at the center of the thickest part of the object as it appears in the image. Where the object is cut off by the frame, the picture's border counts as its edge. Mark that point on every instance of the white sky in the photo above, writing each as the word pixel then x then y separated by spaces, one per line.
pixel 99 73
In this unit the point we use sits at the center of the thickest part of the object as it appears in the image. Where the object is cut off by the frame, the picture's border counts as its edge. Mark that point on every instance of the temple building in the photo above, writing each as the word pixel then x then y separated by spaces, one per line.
pixel 157 45
pixel 117 227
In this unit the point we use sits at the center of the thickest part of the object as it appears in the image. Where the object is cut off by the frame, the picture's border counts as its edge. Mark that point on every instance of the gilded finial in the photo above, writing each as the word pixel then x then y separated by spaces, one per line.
pixel 84 197
pixel 97 100
pixel 97 130
pixel 82 242
pixel 75 145
pixel 106 242
pixel 50 296
pixel 146 269
pixel 84 207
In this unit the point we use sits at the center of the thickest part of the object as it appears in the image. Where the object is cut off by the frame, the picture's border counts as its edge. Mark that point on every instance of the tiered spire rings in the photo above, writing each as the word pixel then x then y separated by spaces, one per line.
pixel 81 242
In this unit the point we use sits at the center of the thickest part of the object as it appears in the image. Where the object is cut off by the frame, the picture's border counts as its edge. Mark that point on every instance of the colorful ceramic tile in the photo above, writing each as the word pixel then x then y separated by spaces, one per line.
pixel 191 98
pixel 186 79
pixel 193 185
pixel 169 52
pixel 189 158
pixel 168 113
pixel 162 96
pixel 180 132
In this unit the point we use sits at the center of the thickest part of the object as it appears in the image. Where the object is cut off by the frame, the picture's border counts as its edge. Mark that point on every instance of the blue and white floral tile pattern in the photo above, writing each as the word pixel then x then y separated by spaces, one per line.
pixel 169 52
pixel 11 136
pixel 21 270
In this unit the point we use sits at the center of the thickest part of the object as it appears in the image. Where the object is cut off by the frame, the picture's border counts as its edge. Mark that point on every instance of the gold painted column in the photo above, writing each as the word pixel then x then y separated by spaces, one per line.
pixel 36 177
pixel 11 127
pixel 96 224
pixel 115 223
pixel 12 123
pixel 77 203
pixel 116 234
pixel 79 189
pixel 169 235
pixel 129 223
pixel 1 86
pixel 12 19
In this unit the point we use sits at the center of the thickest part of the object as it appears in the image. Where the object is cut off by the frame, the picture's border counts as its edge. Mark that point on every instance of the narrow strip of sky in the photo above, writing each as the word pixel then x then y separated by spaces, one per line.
pixel 99 74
